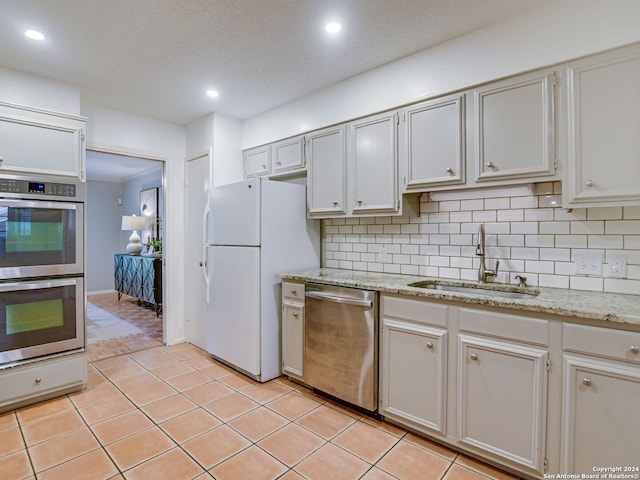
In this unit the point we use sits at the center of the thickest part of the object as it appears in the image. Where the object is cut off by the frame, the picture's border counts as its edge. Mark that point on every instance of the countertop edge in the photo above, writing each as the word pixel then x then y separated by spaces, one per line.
pixel 612 308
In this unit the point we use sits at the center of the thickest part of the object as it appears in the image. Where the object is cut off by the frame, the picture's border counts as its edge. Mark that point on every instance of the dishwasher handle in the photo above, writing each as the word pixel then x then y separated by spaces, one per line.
pixel 336 299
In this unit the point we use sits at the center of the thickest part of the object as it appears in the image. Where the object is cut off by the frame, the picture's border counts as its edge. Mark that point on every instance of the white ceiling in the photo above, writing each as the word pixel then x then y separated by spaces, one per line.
pixel 157 57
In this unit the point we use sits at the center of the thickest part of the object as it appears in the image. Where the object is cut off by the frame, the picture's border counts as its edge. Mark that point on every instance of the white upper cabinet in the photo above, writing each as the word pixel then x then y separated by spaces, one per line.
pixel 326 172
pixel 514 128
pixel 34 141
pixel 603 124
pixel 433 148
pixel 373 160
pixel 287 156
pixel 257 161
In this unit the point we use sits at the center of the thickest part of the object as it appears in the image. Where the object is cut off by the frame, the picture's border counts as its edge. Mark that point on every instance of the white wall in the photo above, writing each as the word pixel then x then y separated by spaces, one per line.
pixel 131 134
pixel 25 89
pixel 227 152
pixel 103 234
pixel 557 32
pixel 224 135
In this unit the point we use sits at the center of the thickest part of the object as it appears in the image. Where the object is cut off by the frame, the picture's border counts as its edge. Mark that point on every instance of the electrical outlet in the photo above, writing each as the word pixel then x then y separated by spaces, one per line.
pixel 617 265
pixel 382 256
pixel 588 263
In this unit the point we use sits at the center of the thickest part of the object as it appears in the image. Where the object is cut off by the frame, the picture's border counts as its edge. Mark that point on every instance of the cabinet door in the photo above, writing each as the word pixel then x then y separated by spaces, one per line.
pixel 514 134
pixel 434 152
pixel 34 142
pixel 287 155
pixel 257 161
pixel 413 374
pixel 502 396
pixel 293 340
pixel 600 415
pixel 603 123
pixel 326 183
pixel 373 156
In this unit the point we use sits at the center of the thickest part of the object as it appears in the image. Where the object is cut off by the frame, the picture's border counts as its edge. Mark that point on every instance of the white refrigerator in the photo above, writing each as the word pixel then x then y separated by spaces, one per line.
pixel 255 229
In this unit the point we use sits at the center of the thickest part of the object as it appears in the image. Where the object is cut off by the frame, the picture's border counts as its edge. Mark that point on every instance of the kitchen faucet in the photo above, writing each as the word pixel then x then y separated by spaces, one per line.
pixel 483 273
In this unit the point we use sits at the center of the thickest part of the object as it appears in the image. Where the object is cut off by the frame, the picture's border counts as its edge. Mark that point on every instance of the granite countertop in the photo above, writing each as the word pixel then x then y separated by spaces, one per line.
pixel 600 306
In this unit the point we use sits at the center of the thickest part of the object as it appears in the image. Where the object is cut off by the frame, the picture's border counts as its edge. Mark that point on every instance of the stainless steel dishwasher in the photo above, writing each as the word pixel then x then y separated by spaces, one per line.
pixel 341 343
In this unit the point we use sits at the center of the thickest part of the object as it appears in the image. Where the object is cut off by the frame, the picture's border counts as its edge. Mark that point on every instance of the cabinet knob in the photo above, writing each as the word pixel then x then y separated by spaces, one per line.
pixel 264 167
pixel 293 291
pixel 295 314
pixel 634 349
pixel 473 357
pixel 490 165
pixel 38 379
pixel 589 183
pixel 429 345
pixel 200 264
pixel 359 202
pixel 279 164
pixel 335 204
pixel 586 381
pixel 449 170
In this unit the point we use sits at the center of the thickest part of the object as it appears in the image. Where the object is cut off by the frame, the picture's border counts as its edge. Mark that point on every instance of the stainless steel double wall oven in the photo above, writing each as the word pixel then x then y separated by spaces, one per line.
pixel 42 293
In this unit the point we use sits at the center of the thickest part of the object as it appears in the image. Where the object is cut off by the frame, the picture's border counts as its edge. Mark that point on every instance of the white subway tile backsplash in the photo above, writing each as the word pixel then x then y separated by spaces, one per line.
pixel 586 283
pixel 631 213
pixel 589 227
pixel 629 227
pixel 605 213
pixel 538 215
pixel 605 241
pixel 529 234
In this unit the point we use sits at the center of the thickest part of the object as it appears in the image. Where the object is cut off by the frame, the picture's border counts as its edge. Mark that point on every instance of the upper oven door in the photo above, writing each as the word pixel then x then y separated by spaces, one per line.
pixel 40 238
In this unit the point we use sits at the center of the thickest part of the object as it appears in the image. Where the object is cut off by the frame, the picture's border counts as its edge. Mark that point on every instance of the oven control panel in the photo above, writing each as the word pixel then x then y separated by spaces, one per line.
pixel 33 189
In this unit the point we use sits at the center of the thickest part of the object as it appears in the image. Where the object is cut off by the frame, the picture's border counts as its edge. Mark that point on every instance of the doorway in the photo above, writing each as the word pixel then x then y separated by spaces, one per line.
pixel 117 186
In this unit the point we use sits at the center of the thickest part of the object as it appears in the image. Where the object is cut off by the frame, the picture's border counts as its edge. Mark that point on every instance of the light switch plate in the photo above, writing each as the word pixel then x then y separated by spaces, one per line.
pixel 588 263
pixel 617 265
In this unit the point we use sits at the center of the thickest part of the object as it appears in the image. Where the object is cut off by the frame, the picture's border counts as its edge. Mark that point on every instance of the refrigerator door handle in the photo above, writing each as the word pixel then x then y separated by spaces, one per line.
pixel 205 270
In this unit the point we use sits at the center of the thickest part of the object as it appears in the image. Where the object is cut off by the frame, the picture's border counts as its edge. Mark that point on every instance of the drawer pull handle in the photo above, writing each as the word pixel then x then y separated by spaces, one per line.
pixel 490 165
pixel 473 357
pixel 295 314
pixel 586 381
pixel 429 345
pixel 38 379
pixel 589 183
pixel 335 204
pixel 449 170
pixel 634 349
pixel 294 291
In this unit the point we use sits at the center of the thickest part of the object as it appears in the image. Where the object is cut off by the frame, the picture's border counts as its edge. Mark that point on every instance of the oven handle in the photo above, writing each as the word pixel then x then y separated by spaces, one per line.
pixel 10 202
pixel 336 299
pixel 35 285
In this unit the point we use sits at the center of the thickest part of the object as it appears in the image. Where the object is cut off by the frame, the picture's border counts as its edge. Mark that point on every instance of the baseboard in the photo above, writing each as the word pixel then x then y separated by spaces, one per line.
pixel 101 291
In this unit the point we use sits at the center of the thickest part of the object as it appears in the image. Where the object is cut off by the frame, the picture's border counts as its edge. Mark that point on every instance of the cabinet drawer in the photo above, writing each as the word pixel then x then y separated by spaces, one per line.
pixel 604 342
pixel 293 291
pixel 41 379
pixel 504 325
pixel 420 311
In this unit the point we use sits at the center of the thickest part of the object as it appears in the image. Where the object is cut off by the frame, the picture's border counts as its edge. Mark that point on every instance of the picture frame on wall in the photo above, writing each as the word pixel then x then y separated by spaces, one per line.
pixel 149 209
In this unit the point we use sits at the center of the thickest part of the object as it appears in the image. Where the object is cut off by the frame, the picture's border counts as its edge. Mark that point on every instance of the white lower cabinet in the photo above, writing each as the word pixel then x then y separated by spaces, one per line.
pixel 413 371
pixel 502 399
pixel 293 330
pixel 600 419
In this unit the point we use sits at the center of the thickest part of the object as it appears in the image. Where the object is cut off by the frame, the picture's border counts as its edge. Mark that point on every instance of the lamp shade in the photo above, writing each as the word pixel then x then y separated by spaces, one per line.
pixel 131 222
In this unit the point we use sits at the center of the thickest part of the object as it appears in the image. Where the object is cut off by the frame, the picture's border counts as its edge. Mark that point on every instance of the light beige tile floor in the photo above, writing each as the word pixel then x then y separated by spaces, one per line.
pixel 174 413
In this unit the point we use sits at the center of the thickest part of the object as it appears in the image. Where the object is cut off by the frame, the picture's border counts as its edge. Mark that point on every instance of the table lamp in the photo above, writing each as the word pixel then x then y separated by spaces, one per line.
pixel 133 223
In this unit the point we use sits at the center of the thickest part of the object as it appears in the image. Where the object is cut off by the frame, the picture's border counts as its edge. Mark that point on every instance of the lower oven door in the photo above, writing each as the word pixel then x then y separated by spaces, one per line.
pixel 40 317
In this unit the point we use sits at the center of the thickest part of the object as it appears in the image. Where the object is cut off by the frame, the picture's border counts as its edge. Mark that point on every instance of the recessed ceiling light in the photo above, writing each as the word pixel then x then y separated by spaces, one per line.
pixel 212 93
pixel 34 35
pixel 333 27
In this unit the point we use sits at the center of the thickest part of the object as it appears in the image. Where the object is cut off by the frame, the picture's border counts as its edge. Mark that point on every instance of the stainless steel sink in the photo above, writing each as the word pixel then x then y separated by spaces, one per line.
pixel 494 291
